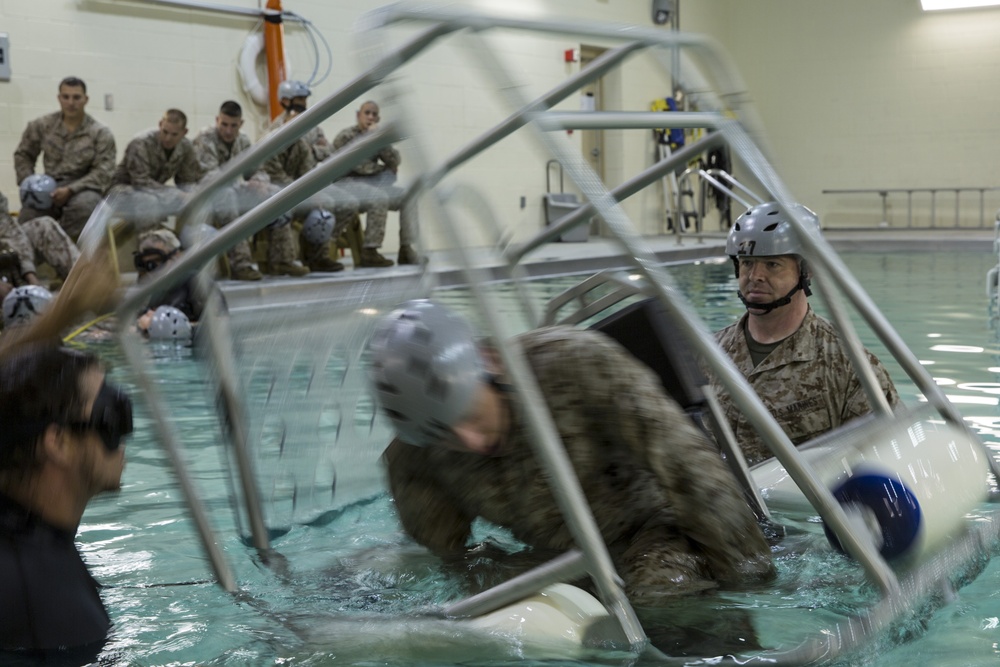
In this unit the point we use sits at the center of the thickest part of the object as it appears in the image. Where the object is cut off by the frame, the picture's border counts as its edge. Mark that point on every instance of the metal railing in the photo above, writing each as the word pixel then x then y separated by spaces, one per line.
pixel 884 193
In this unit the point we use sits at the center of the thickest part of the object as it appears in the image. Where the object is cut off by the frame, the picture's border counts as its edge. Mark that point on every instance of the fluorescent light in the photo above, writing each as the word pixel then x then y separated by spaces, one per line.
pixel 934 5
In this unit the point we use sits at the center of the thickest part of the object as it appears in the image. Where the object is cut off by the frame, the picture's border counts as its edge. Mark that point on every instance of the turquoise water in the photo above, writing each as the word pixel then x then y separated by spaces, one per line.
pixel 345 585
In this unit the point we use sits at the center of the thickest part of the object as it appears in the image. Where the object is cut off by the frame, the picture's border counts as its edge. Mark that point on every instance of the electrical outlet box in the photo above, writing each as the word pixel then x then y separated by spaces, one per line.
pixel 4 57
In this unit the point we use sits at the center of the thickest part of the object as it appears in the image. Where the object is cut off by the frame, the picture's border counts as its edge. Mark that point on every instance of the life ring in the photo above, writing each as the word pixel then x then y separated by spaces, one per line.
pixel 253 46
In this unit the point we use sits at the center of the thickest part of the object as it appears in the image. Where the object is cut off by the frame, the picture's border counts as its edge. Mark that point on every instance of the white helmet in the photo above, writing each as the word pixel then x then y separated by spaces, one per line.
pixel 318 226
pixel 291 89
pixel 170 324
pixel 425 368
pixel 24 302
pixel 36 191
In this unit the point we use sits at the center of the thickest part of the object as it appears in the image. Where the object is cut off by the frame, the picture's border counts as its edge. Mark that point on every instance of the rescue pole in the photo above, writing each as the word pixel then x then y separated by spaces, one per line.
pixel 274 50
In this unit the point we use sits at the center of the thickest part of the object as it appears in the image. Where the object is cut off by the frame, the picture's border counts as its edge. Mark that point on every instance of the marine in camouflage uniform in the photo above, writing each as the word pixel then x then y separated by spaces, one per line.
pixel 295 162
pixel 41 238
pixel 82 160
pixel 807 383
pixel 670 511
pixel 371 182
pixel 151 159
pixel 212 152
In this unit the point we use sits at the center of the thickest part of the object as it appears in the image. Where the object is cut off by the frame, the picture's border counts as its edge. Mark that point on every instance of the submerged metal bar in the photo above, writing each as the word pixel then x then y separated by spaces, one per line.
pixel 571 565
pixel 133 350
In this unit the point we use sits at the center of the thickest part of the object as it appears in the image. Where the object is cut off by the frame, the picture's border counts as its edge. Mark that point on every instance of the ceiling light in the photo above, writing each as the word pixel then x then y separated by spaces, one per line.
pixel 934 5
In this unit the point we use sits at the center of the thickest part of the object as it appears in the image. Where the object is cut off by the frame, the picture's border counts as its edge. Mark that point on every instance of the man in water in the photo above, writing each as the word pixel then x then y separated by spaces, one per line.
pixel 792 358
pixel 668 508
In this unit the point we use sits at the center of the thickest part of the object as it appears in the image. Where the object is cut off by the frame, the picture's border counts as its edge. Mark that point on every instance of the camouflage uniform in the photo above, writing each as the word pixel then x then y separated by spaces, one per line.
pixel 212 152
pixel 38 238
pixel 371 183
pixel 669 510
pixel 807 383
pixel 295 162
pixel 83 161
pixel 141 176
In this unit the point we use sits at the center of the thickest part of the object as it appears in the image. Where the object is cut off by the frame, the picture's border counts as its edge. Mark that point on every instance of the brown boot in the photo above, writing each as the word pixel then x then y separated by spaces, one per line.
pixel 371 258
pixel 407 255
pixel 324 265
pixel 246 272
pixel 294 269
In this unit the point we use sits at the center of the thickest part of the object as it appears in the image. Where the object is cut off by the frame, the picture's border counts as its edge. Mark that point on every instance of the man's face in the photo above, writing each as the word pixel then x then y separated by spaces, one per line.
pixel 766 279
pixel 100 468
pixel 368 116
pixel 228 127
pixel 72 100
pixel 171 133
pixel 483 430
pixel 295 105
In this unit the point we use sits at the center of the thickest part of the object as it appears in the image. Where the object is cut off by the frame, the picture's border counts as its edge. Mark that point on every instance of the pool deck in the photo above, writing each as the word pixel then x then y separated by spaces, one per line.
pixel 593 255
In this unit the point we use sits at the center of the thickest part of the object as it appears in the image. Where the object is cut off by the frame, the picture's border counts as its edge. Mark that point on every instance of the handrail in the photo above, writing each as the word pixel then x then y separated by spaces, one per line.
pixel 885 192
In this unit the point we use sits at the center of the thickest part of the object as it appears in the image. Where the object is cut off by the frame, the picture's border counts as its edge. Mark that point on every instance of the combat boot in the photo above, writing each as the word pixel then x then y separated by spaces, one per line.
pixel 294 269
pixel 246 272
pixel 324 264
pixel 371 258
pixel 407 255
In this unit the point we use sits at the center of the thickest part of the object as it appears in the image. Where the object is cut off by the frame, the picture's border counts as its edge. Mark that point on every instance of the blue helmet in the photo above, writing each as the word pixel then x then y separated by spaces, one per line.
pixel 36 191
pixel 318 226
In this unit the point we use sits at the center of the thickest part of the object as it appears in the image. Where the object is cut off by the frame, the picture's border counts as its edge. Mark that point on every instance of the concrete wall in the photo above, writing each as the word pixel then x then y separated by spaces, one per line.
pixel 853 94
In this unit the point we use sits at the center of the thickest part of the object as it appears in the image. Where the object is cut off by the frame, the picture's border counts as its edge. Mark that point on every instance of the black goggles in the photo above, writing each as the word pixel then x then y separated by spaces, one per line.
pixel 151 259
pixel 111 417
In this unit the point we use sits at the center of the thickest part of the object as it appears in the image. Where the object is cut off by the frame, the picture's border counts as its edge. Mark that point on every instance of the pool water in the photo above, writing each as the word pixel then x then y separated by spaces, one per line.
pixel 346 586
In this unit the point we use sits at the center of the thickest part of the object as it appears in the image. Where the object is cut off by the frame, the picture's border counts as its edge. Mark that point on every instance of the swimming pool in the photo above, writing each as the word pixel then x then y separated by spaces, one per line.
pixel 349 575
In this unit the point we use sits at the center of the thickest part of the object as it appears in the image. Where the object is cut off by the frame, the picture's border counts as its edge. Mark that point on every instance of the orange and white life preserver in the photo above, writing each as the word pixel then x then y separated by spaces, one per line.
pixel 253 47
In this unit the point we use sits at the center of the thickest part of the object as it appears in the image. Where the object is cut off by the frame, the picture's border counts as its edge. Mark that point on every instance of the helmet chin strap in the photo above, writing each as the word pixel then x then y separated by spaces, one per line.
pixel 803 284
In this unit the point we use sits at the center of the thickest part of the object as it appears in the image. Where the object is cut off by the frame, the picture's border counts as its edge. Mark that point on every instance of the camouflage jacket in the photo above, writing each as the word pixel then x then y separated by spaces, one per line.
pixel 807 383
pixel 638 457
pixel 387 158
pixel 290 164
pixel 80 160
pixel 13 241
pixel 212 152
pixel 148 165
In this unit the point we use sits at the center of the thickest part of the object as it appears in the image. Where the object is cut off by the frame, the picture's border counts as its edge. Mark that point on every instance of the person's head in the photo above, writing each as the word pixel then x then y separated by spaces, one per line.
pixel 229 121
pixel 767 258
pixel 154 249
pixel 72 97
pixel 57 409
pixel 173 127
pixel 292 96
pixel 434 383
pixel 368 115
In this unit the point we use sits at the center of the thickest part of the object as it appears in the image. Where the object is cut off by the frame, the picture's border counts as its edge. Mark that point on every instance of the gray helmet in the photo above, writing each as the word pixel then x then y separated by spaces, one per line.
pixel 318 226
pixel 36 191
pixel 425 368
pixel 764 231
pixel 23 303
pixel 170 324
pixel 289 89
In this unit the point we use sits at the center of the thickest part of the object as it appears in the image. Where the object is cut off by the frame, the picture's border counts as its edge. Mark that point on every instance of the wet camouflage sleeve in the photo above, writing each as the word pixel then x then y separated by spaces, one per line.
pixel 81 160
pixel 652 480
pixel 387 158
pixel 807 383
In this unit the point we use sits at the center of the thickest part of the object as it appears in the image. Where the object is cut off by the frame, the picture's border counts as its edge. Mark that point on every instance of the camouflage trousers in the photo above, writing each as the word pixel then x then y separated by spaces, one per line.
pixel 233 202
pixel 375 200
pixel 72 216
pixel 46 242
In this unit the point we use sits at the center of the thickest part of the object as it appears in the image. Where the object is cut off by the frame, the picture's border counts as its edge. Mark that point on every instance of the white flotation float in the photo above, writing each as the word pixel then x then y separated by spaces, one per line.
pixel 909 483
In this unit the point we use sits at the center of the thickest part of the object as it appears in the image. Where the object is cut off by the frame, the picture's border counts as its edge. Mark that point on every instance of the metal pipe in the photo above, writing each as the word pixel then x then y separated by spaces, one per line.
pixel 628 120
pixel 567 567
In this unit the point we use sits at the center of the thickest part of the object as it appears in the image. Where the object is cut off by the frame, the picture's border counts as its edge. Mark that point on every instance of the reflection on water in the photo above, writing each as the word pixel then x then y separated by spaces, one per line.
pixel 355 560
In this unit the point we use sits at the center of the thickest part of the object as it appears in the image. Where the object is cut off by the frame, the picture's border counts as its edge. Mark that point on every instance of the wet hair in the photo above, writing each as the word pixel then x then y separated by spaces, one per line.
pixel 176 117
pixel 231 109
pixel 39 386
pixel 73 82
